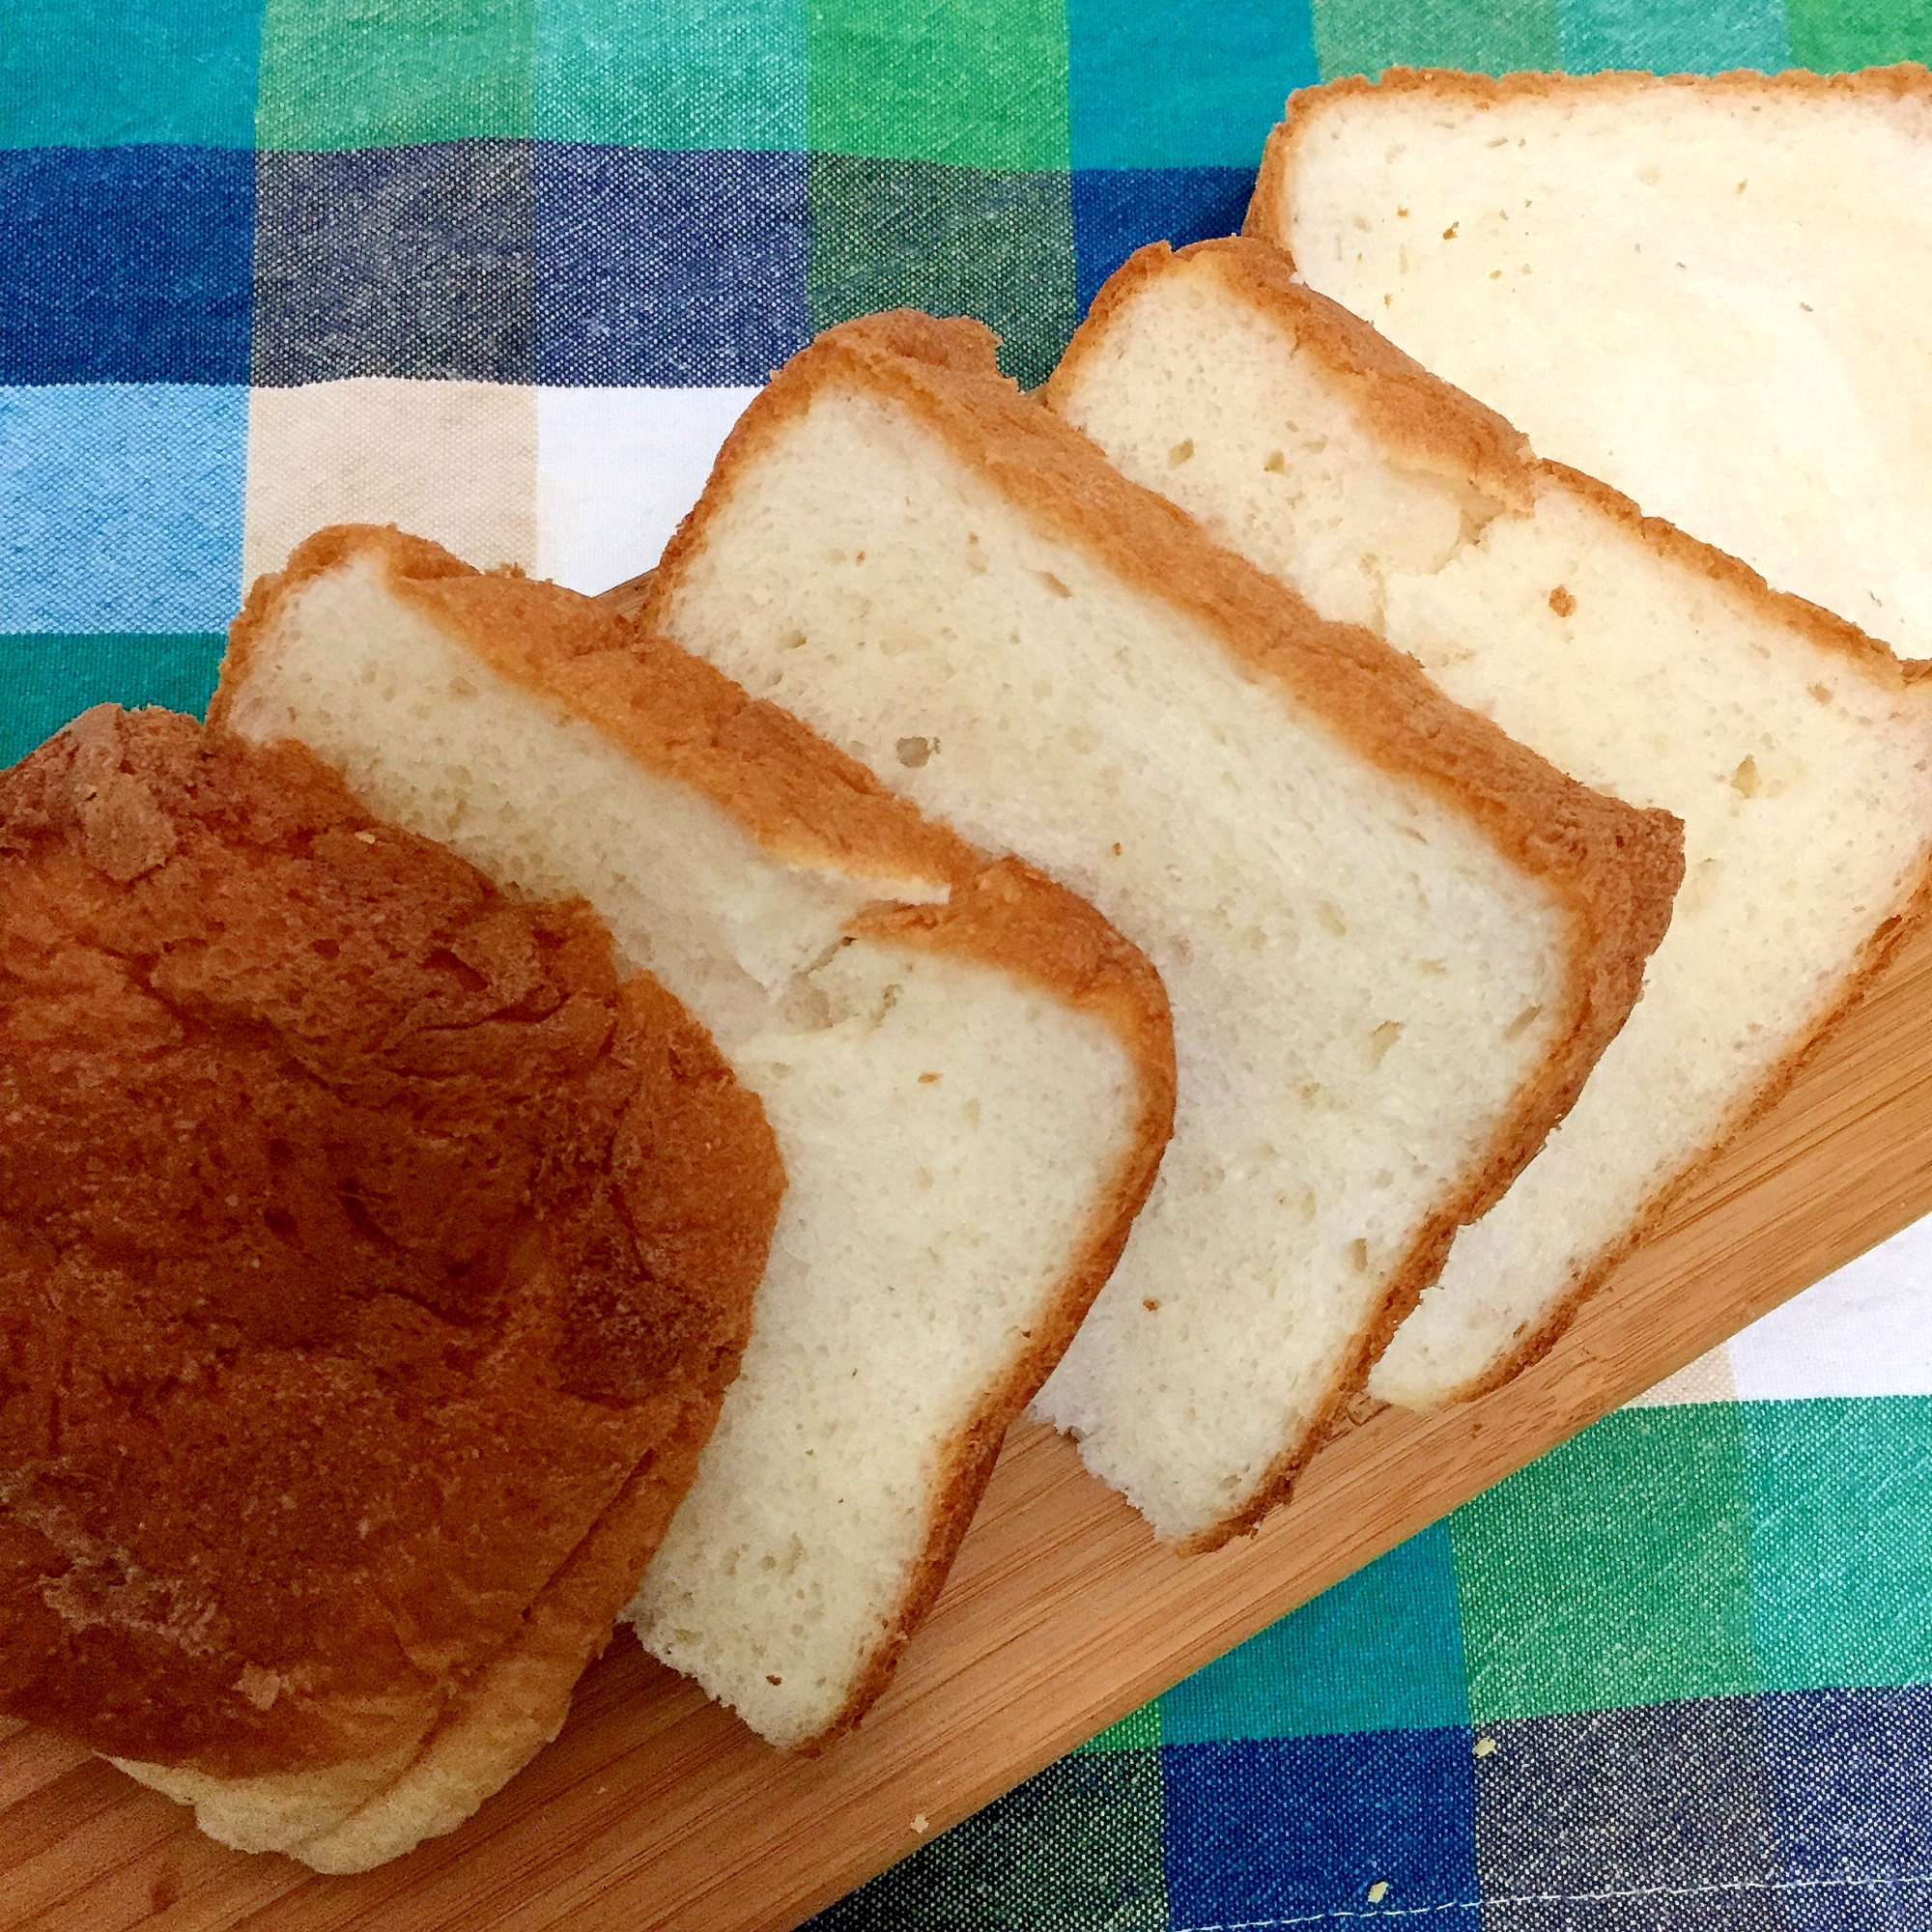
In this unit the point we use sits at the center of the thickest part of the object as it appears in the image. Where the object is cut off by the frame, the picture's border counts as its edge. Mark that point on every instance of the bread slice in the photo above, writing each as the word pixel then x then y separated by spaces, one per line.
pixel 969 1074
pixel 1796 751
pixel 1395 942
pixel 374 1260
pixel 1715 294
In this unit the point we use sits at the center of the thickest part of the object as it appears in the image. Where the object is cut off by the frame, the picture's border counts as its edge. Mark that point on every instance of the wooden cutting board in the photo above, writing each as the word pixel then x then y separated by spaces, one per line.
pixel 655 1809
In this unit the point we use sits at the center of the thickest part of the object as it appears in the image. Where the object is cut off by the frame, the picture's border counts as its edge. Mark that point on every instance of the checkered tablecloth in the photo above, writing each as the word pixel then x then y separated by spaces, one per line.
pixel 504 271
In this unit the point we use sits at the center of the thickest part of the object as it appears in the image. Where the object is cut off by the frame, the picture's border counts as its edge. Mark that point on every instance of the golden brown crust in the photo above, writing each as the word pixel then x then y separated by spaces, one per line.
pixel 349 1216
pixel 800 797
pixel 1906 83
pixel 1437 425
pixel 1614 868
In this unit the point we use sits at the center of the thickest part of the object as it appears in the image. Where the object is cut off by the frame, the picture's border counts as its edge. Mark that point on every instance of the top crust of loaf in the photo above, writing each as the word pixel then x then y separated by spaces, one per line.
pixel 807 804
pixel 1441 429
pixel 386 1255
pixel 1904 90
pixel 1613 869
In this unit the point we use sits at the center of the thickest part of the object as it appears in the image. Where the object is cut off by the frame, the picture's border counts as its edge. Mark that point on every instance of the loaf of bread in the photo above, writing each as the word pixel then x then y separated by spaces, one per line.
pixel 969 1074
pixel 1715 294
pixel 374 1257
pixel 1395 941
pixel 1796 751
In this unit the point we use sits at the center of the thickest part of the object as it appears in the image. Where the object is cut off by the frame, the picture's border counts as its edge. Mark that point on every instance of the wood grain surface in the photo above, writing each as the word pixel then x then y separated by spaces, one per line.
pixel 655 1809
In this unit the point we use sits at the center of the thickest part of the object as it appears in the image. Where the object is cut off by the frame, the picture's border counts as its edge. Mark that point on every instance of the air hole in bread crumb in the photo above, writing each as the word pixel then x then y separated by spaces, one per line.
pixel 1276 463
pixel 1523 1022
pixel 1181 452
pixel 1430 969
pixel 1053 583
pixel 1561 601
pixel 1744 780
pixel 1822 693
pixel 1331 918
pixel 1381 1039
pixel 1358 1255
pixel 914 751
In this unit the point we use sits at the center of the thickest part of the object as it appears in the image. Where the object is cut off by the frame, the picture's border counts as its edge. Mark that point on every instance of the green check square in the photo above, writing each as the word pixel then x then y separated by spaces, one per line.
pixel 74 74
pixel 1600 35
pixel 950 241
pixel 1381 1651
pixel 972 83
pixel 364 74
pixel 1841 1540
pixel 1138 1730
pixel 1367 36
pixel 1835 35
pixel 1181 83
pixel 46 681
pixel 684 76
pixel 1614 1572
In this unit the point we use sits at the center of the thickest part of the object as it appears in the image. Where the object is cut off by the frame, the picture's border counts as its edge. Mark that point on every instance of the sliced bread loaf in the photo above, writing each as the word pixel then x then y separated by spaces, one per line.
pixel 1395 941
pixel 1715 294
pixel 968 1073
pixel 1796 750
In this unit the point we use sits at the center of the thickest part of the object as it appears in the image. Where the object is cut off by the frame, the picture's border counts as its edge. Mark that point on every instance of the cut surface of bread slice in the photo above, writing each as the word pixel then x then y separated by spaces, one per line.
pixel 375 1260
pixel 968 1073
pixel 1796 750
pixel 1394 941
pixel 1715 294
